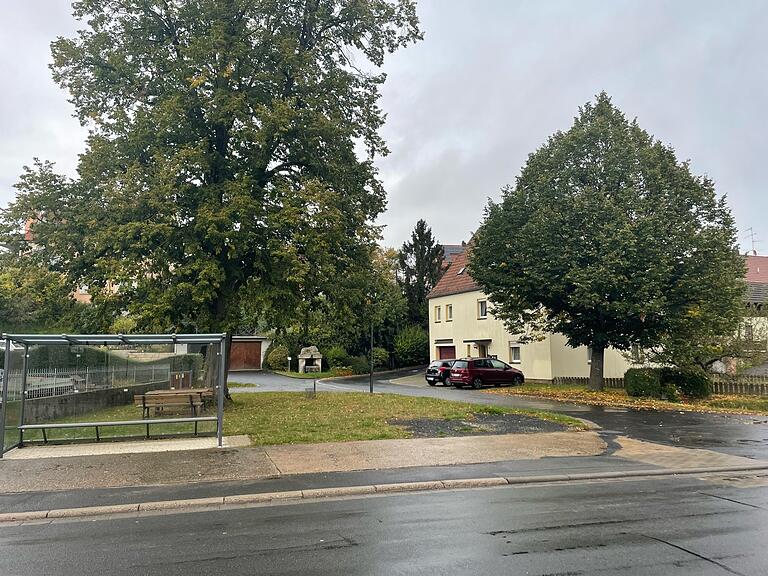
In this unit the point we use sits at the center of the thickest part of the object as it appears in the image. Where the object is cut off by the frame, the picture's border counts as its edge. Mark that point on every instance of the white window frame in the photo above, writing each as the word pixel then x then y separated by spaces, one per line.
pixel 479 315
pixel 449 312
pixel 438 310
pixel 515 345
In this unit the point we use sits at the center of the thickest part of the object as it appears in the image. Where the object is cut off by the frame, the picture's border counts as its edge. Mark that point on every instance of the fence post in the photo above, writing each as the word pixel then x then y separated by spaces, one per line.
pixel 220 403
pixel 24 367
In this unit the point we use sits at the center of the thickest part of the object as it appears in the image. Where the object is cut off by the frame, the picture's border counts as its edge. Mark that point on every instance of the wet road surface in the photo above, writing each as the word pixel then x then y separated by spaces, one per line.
pixel 661 526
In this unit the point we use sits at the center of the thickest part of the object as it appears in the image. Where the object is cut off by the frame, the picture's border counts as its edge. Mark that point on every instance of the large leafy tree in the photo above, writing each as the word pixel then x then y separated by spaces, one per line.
pixel 219 131
pixel 33 298
pixel 609 240
pixel 420 267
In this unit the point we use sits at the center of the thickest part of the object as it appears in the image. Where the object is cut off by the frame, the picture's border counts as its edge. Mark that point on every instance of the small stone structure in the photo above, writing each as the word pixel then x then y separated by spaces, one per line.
pixel 310 360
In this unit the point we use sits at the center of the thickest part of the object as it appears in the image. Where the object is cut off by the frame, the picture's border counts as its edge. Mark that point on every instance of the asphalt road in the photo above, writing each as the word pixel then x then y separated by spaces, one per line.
pixel 660 527
pixel 734 434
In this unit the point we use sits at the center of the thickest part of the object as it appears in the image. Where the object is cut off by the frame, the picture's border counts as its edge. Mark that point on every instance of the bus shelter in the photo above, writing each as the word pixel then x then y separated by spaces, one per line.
pixel 37 394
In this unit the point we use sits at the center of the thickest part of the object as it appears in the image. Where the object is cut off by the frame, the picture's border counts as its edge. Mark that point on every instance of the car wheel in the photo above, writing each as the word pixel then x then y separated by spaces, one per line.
pixel 477 383
pixel 517 380
pixel 447 382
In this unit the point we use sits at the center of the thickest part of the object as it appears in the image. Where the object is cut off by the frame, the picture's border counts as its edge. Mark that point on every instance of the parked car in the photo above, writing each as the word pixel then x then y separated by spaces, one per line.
pixel 479 372
pixel 439 371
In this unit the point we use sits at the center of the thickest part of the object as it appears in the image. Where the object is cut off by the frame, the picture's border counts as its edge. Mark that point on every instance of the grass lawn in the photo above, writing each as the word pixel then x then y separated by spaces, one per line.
pixel 618 398
pixel 291 417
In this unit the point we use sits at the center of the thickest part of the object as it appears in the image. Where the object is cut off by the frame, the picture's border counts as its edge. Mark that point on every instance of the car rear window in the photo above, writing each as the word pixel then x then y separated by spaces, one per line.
pixel 460 364
pixel 447 364
pixel 434 364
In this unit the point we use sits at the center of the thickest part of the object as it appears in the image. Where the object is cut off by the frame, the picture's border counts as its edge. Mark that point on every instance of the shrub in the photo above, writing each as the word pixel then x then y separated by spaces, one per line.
pixel 412 346
pixel 342 371
pixel 649 382
pixel 380 358
pixel 642 382
pixel 277 358
pixel 692 383
pixel 336 356
pixel 359 365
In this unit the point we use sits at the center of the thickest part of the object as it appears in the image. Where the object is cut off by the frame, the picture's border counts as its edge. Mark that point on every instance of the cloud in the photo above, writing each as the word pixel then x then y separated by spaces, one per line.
pixel 490 82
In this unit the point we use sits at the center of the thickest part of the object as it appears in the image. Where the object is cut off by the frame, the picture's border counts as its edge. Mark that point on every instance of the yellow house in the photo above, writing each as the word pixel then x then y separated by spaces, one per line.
pixel 461 324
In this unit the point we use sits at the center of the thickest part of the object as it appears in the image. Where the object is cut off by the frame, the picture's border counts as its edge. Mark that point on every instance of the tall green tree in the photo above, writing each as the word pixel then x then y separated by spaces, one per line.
pixel 609 240
pixel 420 266
pixel 33 298
pixel 211 121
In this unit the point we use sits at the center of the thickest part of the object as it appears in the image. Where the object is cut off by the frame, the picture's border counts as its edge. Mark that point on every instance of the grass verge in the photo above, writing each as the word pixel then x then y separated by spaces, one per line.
pixel 293 418
pixel 618 398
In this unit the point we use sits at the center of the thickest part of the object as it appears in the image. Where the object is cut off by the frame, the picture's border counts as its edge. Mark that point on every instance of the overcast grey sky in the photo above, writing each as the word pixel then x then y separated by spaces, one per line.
pixel 490 82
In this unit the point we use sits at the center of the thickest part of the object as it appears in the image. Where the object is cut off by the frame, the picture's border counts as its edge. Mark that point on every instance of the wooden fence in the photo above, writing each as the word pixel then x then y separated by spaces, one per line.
pixel 581 381
pixel 740 385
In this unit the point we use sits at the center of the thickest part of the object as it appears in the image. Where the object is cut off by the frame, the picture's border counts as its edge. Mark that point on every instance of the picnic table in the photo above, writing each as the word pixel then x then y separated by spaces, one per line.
pixel 159 400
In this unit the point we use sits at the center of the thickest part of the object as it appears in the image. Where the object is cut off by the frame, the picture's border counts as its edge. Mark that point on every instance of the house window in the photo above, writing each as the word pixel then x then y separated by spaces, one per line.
pixel 749 333
pixel 637 354
pixel 482 309
pixel 449 312
pixel 438 309
pixel 514 353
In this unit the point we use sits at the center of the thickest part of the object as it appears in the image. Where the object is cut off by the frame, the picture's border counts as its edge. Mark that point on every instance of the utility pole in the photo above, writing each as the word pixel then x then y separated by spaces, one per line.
pixel 370 382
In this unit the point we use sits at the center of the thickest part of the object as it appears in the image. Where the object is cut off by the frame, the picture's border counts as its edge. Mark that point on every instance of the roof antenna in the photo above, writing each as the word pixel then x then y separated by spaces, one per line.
pixel 752 235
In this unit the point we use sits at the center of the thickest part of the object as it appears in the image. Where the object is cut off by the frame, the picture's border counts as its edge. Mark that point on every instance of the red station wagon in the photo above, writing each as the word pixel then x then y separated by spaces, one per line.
pixel 479 372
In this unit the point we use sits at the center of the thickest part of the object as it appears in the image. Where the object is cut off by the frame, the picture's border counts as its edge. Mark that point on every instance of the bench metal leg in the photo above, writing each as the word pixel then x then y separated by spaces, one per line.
pixel 45 437
pixel 21 438
pixel 147 430
pixel 195 427
pixel 97 434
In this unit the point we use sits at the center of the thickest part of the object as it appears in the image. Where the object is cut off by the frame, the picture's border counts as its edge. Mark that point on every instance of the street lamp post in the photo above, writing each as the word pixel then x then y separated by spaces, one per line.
pixel 370 381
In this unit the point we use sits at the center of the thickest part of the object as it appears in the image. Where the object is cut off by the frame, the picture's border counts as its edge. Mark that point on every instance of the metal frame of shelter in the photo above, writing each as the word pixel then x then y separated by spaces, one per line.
pixel 27 340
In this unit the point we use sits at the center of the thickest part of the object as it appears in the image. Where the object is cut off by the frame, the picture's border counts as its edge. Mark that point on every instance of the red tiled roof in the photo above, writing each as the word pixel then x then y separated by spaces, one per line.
pixel 453 282
pixel 757 269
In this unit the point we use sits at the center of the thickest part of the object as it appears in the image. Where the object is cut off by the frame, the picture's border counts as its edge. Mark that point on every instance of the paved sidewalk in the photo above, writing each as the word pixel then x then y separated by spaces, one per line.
pixel 379 454
pixel 672 457
pixel 37 451
pixel 213 465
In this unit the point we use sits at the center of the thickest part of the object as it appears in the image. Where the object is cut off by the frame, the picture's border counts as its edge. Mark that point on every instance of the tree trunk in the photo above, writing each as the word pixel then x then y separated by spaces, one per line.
pixel 596 379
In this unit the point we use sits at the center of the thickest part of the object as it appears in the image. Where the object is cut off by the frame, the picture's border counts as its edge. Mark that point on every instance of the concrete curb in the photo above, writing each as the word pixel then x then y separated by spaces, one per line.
pixel 346 491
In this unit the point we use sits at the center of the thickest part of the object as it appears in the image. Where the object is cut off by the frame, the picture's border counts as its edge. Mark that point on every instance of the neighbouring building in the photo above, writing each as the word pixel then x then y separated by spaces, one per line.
pixel 461 324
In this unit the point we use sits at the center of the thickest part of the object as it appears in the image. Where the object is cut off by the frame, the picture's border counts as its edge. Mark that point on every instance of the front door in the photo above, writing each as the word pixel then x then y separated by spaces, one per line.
pixel 482 350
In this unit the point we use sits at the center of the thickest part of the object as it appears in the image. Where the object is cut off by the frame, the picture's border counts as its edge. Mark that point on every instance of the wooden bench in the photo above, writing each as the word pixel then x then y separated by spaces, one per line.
pixel 170 399
pixel 45 427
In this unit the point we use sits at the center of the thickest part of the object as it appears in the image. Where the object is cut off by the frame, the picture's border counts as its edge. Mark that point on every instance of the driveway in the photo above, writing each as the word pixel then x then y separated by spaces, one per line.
pixel 262 381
